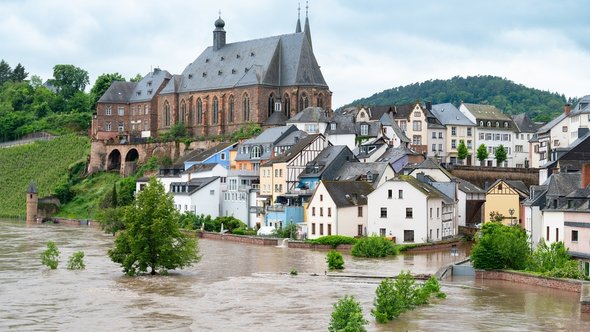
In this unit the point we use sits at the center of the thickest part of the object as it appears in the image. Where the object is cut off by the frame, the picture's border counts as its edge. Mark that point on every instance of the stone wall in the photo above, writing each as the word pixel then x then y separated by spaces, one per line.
pixel 263 241
pixel 479 175
pixel 569 285
pixel 307 245
pixel 436 246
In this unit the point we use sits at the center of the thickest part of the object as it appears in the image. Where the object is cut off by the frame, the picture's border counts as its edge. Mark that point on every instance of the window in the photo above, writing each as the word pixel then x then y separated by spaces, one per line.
pixel 215 119
pixel 453 144
pixel 402 125
pixel 383 212
pixel 437 212
pixel 222 156
pixel 434 134
pixel 321 229
pixel 182 111
pixel 489 136
pixel 469 144
pixel 167 114
pixel 505 124
pixel 547 235
pixel 359 230
pixel 400 194
pixel 497 124
pixel 108 110
pixel 321 198
pixel 481 136
pixel 231 109
pixel 440 134
pixel 417 140
pixel 409 213
pixel 417 125
pixel 408 235
pixel 433 147
pixel 417 114
pixel 303 102
pixel 211 192
pixel 329 229
pixel 256 151
pixel 121 111
pixel 329 212
pixel 382 232
pixel 333 126
pixel 320 102
pixel 313 211
pixel 199 111
pixel 518 148
pixel 313 228
pixel 430 213
pixel 564 129
pixel 121 127
pixel 574 236
pixel 246 108
pixel 364 130
pixel 489 124
pixel 360 211
pixel 321 211
pixel 481 123
pixel 469 132
pixel 506 137
pixel 389 193
pixel 453 131
pixel 557 235
pixel 108 126
pixel 440 147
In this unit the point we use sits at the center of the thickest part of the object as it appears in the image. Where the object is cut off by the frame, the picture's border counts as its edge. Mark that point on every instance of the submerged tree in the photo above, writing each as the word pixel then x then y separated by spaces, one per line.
pixel 347 316
pixel 152 238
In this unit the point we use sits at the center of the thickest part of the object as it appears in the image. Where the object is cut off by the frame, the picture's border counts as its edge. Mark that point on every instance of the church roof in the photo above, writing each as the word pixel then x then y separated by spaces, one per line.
pixel 118 92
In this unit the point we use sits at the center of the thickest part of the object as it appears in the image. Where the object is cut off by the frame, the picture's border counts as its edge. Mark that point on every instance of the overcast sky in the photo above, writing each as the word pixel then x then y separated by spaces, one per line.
pixel 363 47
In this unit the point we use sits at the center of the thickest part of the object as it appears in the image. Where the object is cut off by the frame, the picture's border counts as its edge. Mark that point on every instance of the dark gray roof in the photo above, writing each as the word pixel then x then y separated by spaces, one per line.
pixel 430 163
pixel 518 184
pixel 393 154
pixel 324 160
pixel 387 120
pixel 524 124
pixel 32 188
pixel 425 188
pixel 448 114
pixel 344 125
pixel 198 168
pixel 295 149
pixel 536 197
pixel 562 184
pixel 276 119
pixel 310 114
pixel 369 148
pixel 582 107
pixel 200 156
pixel 173 85
pixel 147 88
pixel 195 184
pixel 348 193
pixel 355 171
pixel 119 92
pixel 287 57
pixel 468 187
pixel 373 130
pixel 271 135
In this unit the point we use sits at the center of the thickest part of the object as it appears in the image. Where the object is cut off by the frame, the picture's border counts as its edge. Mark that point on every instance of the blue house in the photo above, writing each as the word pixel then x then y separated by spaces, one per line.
pixel 218 154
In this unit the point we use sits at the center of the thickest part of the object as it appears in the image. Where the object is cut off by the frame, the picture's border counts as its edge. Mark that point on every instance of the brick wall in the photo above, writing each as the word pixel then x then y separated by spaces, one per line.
pixel 306 245
pixel 239 238
pixel 519 277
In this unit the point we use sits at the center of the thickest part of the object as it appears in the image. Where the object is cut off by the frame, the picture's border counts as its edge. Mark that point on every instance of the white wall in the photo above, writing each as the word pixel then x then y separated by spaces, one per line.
pixel 553 220
pixel 347 139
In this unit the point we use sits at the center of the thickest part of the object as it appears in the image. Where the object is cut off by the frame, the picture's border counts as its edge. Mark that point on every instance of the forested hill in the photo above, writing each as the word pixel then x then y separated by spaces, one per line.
pixel 506 95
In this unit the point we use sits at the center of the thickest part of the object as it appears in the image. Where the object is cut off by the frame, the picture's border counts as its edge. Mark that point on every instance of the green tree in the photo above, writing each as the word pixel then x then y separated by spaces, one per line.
pixel 5 72
pixel 102 83
pixel 152 238
pixel 137 78
pixel 50 257
pixel 501 155
pixel 110 199
pixel 500 247
pixel 334 260
pixel 69 79
pixel 482 153
pixel 76 261
pixel 111 220
pixel 462 151
pixel 36 81
pixel 289 231
pixel 347 316
pixel 19 74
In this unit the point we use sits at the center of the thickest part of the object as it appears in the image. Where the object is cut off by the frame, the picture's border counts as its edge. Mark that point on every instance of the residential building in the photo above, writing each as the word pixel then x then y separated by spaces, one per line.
pixel 325 166
pixel 457 127
pixel 504 197
pixel 370 151
pixel 525 131
pixel 375 173
pixel 252 152
pixel 218 154
pixel 241 198
pixel 341 129
pixel 312 120
pixel 338 208
pixel 198 196
pixel 400 157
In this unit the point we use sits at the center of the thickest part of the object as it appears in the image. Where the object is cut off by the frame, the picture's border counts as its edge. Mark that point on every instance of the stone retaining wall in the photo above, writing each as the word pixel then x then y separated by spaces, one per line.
pixel 263 241
pixel 306 245
pixel 436 246
pixel 74 222
pixel 569 285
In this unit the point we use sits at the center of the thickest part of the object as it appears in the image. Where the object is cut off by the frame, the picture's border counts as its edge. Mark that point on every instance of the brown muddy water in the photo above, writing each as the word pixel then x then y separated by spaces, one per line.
pixel 238 287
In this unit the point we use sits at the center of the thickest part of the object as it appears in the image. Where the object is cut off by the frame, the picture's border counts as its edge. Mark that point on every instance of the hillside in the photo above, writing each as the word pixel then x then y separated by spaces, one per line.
pixel 506 95
pixel 45 162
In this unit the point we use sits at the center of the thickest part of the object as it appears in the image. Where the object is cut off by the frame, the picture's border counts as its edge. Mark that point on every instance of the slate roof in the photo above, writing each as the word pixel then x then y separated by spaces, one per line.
pixel 387 120
pixel 32 188
pixel 291 138
pixel 468 187
pixel 348 193
pixel 294 149
pixel 198 168
pixel 524 124
pixel 200 156
pixel 393 154
pixel 551 124
pixel 271 135
pixel 562 184
pixel 276 119
pixel 582 107
pixel 323 160
pixel 310 114
pixel 373 130
pixel 194 185
pixel 430 163
pixel 486 112
pixel 423 187
pixel 287 57
pixel 344 125
pixel 448 114
pixel 353 171
pixel 146 89
pixel 521 189
pixel 173 85
pixel 119 92
pixel 536 197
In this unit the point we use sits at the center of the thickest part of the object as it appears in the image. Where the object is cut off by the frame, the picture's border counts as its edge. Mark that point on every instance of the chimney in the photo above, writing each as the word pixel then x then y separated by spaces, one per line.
pixel 429 105
pixel 567 109
pixel 585 175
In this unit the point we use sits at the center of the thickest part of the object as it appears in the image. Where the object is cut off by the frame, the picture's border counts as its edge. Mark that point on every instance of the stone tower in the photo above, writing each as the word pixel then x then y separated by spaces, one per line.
pixel 32 203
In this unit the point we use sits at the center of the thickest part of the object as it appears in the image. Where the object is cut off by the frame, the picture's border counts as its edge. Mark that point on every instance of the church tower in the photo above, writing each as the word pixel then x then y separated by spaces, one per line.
pixel 32 203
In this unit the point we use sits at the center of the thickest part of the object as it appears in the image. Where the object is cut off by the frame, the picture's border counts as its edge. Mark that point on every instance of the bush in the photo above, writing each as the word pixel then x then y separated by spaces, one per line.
pixel 500 247
pixel 333 240
pixel 334 260
pixel 570 270
pixel 289 231
pixel 76 261
pixel 373 246
pixel 294 272
pixel 243 230
pixel 50 257
pixel 111 220
pixel 347 316
pixel 546 258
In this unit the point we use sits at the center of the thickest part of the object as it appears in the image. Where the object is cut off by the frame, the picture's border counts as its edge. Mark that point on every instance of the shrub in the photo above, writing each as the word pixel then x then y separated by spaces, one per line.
pixel 334 260
pixel 373 246
pixel 243 230
pixel 289 231
pixel 50 257
pixel 111 220
pixel 333 240
pixel 500 247
pixel 546 258
pixel 569 270
pixel 294 272
pixel 76 261
pixel 347 316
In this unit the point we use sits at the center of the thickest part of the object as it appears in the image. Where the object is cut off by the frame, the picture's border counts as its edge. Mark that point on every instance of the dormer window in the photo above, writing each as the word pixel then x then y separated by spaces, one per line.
pixel 481 123
pixel 237 56
pixel 505 124
pixel 489 124
pixel 333 126
pixel 204 74
pixel 222 58
pixel 149 83
pixel 219 72
pixel 497 124
pixel 364 130
pixel 190 76
pixel 206 60
pixel 245 70
pixel 233 71
pixel 251 53
pixel 139 93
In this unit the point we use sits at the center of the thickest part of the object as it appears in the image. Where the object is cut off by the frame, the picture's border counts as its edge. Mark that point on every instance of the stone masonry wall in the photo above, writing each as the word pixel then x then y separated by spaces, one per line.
pixel 518 277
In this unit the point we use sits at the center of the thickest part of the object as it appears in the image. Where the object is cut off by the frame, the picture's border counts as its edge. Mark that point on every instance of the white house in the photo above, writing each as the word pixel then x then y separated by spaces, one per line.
pixel 199 196
pixel 409 211
pixel 338 208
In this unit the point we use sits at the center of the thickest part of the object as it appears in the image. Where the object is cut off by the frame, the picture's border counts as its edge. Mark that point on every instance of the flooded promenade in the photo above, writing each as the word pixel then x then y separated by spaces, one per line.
pixel 239 287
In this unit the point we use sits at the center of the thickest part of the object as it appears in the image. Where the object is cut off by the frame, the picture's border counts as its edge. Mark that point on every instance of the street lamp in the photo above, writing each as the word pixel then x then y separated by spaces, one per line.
pixel 511 211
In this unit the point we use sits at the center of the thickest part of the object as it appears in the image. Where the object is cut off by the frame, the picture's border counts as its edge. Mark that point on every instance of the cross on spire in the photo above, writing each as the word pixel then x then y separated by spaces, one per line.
pixel 220 13
pixel 306 7
pixel 298 9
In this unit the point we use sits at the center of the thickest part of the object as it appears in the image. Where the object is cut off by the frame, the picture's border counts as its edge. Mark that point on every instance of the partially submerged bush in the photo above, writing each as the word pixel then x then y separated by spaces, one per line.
pixel 334 260
pixel 76 261
pixel 347 316
pixel 373 246
pixel 333 240
pixel 50 257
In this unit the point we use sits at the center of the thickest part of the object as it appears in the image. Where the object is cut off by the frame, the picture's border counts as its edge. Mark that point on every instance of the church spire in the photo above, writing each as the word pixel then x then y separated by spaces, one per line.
pixel 307 31
pixel 298 27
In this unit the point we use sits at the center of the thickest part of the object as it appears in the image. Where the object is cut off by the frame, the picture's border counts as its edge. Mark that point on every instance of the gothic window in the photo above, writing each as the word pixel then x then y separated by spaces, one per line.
pixel 271 104
pixel 231 109
pixel 182 111
pixel 215 111
pixel 321 100
pixel 190 114
pixel 166 114
pixel 303 102
pixel 287 105
pixel 246 107
pixel 199 111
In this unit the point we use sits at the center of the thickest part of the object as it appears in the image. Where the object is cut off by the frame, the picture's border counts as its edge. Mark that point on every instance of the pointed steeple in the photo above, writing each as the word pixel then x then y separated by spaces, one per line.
pixel 298 27
pixel 307 31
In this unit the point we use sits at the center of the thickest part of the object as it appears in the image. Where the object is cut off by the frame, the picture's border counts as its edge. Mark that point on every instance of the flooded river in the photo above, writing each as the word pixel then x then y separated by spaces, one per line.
pixel 237 287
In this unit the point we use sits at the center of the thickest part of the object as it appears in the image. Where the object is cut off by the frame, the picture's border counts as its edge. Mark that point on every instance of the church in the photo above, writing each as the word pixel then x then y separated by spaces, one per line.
pixel 227 85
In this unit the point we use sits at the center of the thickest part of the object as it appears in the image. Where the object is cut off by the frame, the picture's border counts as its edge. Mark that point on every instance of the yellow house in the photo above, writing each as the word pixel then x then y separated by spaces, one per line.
pixel 504 197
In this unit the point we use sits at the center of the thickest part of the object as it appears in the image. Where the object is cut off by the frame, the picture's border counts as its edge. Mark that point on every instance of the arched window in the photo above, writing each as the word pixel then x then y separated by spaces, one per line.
pixel 231 109
pixel 255 152
pixel 199 111
pixel 505 124
pixel 166 114
pixel 303 102
pixel 271 104
pixel 190 113
pixel 215 111
pixel 182 111
pixel 246 108
pixel 287 105
pixel 321 100
pixel 489 124
pixel 497 124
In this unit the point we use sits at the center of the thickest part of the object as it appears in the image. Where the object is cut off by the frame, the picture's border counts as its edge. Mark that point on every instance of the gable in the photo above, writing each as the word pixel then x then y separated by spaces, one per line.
pixel 501 188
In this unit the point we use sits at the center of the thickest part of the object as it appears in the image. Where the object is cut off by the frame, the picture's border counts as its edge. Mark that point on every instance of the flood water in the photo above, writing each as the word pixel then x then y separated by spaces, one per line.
pixel 238 287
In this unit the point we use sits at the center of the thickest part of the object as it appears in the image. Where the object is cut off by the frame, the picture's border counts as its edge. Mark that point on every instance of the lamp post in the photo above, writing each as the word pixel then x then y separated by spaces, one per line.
pixel 511 211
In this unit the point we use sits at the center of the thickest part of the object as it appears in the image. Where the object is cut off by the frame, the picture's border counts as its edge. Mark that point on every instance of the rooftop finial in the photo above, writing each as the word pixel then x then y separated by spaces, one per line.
pixel 298 26
pixel 219 13
pixel 306 8
pixel 298 9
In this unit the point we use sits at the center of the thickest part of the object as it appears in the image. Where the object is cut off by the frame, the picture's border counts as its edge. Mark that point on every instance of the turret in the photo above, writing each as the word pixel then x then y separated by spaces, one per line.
pixel 219 34
pixel 32 203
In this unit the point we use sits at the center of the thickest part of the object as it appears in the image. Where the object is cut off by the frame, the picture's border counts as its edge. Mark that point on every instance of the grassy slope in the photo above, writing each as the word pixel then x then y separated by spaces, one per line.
pixel 45 162
pixel 89 193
